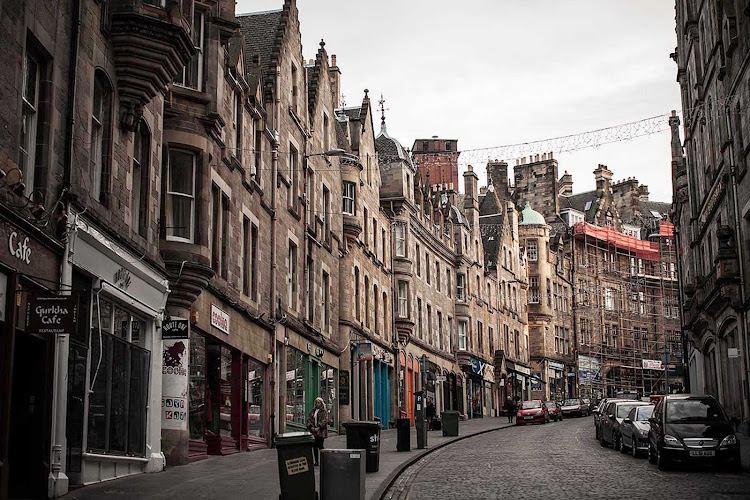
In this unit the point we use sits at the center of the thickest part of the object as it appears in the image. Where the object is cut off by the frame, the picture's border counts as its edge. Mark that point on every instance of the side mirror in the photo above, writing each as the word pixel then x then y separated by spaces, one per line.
pixel 611 416
pixel 627 421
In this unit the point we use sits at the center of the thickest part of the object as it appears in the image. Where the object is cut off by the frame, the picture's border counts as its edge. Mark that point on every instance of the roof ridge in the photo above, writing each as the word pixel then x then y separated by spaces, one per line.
pixel 247 14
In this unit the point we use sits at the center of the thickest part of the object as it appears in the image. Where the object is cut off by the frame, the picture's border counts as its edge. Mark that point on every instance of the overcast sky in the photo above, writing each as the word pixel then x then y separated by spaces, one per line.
pixel 497 72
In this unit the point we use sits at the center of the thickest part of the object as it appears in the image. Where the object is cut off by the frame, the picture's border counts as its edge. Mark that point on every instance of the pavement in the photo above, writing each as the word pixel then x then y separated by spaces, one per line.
pixel 556 460
pixel 254 475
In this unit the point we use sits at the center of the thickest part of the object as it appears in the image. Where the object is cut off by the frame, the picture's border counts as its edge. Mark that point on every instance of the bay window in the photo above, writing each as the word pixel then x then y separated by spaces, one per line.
pixel 349 195
pixel 192 73
pixel 180 202
pixel 403 299
pixel 461 287
pixel 462 326
pixel 532 250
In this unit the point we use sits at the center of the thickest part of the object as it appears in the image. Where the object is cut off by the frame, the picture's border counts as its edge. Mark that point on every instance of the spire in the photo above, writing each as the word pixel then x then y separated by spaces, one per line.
pixel 383 109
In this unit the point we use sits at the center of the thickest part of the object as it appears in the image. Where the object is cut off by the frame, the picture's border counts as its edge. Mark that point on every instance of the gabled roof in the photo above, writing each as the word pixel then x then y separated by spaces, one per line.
pixel 259 30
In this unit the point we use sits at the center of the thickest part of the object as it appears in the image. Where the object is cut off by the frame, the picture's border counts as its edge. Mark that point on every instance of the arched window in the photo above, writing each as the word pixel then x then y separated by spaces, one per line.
pixel 101 136
pixel 140 176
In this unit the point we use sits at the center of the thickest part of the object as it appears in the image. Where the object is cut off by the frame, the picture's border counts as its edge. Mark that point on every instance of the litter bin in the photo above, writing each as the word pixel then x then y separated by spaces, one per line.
pixel 342 474
pixel 296 471
pixel 403 434
pixel 450 423
pixel 365 435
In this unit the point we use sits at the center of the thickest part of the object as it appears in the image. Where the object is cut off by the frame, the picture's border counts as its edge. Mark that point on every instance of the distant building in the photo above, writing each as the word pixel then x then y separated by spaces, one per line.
pixel 437 160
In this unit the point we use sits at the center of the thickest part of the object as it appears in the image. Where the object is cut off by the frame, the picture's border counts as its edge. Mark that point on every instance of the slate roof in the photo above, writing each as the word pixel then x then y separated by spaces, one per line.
pixel 389 148
pixel 259 30
pixel 658 206
pixel 488 204
pixel 578 202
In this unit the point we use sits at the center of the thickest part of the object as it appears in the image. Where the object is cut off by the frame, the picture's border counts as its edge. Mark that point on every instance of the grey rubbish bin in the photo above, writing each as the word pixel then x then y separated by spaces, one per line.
pixel 342 474
pixel 296 471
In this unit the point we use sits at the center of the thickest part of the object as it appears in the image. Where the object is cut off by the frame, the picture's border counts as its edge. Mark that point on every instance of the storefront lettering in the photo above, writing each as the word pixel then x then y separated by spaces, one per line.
pixel 122 278
pixel 51 315
pixel 19 248
pixel 219 319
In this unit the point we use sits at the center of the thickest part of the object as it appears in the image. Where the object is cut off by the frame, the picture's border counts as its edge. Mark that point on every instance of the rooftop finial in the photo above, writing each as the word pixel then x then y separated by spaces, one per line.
pixel 383 109
pixel 322 43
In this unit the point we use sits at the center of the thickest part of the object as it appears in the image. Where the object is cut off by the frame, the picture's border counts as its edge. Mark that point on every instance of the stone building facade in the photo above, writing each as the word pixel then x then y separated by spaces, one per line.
pixel 437 160
pixel 711 196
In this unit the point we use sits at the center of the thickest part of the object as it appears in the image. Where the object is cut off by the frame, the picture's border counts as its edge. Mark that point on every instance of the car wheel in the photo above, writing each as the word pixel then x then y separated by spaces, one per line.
pixel 651 454
pixel 602 442
pixel 623 448
pixel 662 462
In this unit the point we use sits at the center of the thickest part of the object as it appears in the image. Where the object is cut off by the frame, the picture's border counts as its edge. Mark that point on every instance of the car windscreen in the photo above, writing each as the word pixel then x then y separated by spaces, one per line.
pixel 643 414
pixel 572 402
pixel 530 405
pixel 549 404
pixel 693 410
pixel 623 410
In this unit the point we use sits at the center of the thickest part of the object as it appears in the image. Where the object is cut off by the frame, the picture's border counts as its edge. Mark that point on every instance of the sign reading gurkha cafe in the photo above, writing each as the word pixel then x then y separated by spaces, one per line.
pixel 51 315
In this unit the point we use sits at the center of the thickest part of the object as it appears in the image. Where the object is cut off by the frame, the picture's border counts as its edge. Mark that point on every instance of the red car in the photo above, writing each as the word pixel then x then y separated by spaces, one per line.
pixel 532 411
pixel 555 410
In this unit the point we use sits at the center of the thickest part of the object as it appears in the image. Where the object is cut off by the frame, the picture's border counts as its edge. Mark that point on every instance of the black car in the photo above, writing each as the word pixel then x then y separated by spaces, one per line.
pixel 634 430
pixel 611 418
pixel 688 428
pixel 598 413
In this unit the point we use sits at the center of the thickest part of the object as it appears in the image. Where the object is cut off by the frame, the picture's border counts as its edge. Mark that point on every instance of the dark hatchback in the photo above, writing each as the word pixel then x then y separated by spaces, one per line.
pixel 688 428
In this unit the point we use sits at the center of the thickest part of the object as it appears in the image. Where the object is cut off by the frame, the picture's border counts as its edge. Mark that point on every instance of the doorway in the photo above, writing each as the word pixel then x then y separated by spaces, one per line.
pixel 28 444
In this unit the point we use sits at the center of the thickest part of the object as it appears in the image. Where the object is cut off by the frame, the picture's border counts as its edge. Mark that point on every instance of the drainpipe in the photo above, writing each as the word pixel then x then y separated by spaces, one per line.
pixel 275 391
pixel 57 480
pixel 681 294
pixel 743 313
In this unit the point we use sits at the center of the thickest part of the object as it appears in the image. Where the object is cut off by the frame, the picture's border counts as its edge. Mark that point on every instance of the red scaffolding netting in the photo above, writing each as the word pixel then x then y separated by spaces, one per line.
pixel 639 248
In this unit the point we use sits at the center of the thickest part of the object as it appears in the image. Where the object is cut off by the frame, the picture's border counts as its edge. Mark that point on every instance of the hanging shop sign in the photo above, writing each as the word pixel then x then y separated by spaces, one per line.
pixel 478 367
pixel 51 315
pixel 343 387
pixel 652 364
pixel 219 319
pixel 382 355
pixel 175 328
pixel 364 351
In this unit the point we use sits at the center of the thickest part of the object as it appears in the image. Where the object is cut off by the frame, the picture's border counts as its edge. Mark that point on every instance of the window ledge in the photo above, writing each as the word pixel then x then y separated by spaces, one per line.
pixel 190 94
pixel 114 458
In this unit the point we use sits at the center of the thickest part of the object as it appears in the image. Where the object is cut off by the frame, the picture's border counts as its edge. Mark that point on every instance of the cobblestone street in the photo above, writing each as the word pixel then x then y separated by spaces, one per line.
pixel 556 460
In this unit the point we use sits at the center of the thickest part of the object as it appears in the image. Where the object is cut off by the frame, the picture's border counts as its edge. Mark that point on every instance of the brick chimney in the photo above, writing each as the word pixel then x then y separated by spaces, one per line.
pixel 643 192
pixel 603 177
pixel 566 184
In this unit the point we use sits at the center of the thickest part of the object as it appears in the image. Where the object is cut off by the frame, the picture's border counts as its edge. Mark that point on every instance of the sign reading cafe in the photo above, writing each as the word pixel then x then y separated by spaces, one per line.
pixel 51 315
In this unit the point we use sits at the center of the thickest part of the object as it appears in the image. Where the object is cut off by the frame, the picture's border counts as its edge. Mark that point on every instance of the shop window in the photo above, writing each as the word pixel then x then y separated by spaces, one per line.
pixel 219 377
pixel 198 387
pixel 141 176
pixel 119 380
pixel 180 202
pixel 101 136
pixel 255 419
pixel 295 387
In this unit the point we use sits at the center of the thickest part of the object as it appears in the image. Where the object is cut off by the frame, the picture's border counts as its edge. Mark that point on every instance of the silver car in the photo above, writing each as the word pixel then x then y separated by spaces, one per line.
pixel 634 430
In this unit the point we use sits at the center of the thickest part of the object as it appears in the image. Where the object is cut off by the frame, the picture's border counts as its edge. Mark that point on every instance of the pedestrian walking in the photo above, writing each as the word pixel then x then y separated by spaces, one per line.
pixel 430 411
pixel 317 424
pixel 510 409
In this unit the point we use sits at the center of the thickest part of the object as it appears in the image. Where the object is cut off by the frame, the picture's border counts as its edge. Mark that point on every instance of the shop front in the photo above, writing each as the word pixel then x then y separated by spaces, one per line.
pixel 311 372
pixel 519 378
pixel 556 380
pixel 480 400
pixel 409 382
pixel 382 372
pixel 29 269
pixel 227 387
pixel 115 362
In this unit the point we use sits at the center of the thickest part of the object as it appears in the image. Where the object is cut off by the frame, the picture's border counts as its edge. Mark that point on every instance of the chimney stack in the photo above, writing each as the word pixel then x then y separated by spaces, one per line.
pixel 643 192
pixel 566 184
pixel 497 175
pixel 603 177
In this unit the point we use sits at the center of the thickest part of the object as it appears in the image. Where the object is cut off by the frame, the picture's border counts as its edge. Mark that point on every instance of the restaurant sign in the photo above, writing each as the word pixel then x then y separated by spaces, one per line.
pixel 219 319
pixel 175 328
pixel 51 315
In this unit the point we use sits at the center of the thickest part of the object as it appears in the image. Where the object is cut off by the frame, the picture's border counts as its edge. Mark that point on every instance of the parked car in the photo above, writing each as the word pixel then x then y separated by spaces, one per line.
pixel 634 430
pixel 574 408
pixel 628 395
pixel 611 418
pixel 689 428
pixel 532 411
pixel 598 413
pixel 589 404
pixel 554 409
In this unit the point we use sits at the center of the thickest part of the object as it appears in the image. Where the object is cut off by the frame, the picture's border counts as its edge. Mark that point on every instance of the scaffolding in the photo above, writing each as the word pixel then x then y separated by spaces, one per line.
pixel 626 310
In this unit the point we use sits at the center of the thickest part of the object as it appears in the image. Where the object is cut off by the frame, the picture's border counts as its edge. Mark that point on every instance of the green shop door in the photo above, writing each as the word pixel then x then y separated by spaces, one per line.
pixel 312 383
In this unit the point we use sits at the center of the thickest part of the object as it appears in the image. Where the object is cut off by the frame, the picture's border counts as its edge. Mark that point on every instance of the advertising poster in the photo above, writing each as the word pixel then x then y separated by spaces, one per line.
pixel 174 381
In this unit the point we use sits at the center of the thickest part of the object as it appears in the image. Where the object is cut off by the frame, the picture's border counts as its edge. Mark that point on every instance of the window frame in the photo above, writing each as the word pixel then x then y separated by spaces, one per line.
pixel 349 198
pixel 30 107
pixel 169 207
